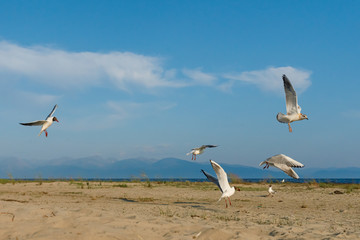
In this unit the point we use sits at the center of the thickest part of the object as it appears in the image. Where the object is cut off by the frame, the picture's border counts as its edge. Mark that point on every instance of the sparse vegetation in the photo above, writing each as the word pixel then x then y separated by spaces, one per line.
pixel 228 218
pixel 121 185
pixel 167 212
pixel 235 179
pixel 253 189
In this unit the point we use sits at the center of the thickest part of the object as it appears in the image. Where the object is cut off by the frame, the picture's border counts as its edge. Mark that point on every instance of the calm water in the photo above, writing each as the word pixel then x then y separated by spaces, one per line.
pixel 254 180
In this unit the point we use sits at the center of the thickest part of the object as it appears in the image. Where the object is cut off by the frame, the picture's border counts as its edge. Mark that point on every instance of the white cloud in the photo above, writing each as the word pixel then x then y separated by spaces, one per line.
pixel 270 78
pixel 125 70
pixel 200 77
pixel 76 69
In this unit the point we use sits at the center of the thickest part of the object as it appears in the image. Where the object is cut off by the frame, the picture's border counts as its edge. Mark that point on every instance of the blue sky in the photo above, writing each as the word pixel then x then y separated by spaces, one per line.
pixel 154 79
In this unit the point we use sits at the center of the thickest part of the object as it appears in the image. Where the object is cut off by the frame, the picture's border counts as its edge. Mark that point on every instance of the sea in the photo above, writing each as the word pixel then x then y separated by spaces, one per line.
pixel 250 180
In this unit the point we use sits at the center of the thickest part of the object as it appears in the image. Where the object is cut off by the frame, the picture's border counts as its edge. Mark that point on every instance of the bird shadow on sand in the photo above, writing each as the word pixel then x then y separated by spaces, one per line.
pixel 126 200
pixel 264 196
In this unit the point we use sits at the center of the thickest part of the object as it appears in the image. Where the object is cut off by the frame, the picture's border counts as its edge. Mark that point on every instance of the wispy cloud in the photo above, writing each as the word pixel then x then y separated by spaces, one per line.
pixel 199 77
pixel 270 79
pixel 125 70
pixel 65 69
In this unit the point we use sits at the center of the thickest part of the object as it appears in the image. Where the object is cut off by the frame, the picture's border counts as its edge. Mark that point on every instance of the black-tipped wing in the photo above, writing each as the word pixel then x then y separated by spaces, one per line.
pixel 283 159
pixel 52 112
pixel 36 123
pixel 207 146
pixel 291 98
pixel 212 179
pixel 286 169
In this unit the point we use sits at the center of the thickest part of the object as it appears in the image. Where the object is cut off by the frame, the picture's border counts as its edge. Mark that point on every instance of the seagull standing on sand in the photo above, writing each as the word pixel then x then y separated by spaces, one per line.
pixel 44 123
pixel 199 150
pixel 284 163
pixel 271 191
pixel 293 110
pixel 221 181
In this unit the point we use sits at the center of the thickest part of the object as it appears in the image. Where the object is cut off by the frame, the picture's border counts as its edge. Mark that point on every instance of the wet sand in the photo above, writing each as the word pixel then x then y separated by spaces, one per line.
pixel 141 210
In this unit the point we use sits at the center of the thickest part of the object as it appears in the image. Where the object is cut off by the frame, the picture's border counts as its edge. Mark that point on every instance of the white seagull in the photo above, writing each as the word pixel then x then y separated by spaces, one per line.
pixel 284 163
pixel 199 150
pixel 44 123
pixel 271 191
pixel 293 110
pixel 221 182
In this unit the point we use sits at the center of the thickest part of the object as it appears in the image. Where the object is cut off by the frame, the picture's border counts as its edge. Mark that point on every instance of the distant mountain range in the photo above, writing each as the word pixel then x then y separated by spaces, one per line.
pixel 98 167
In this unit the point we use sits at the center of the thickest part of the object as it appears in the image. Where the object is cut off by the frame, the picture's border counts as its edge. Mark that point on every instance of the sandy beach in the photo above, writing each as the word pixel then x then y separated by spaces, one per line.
pixel 158 210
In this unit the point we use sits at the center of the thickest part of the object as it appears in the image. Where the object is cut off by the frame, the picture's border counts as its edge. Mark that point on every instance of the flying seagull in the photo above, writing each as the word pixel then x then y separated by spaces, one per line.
pixel 221 181
pixel 44 123
pixel 199 150
pixel 293 110
pixel 284 163
pixel 271 191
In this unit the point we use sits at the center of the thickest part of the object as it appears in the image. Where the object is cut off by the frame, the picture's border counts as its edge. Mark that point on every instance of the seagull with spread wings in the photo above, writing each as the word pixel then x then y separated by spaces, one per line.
pixel 221 181
pixel 199 150
pixel 293 110
pixel 44 123
pixel 284 163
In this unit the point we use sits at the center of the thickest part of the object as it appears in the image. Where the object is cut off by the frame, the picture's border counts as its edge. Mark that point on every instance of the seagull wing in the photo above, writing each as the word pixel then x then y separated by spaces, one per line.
pixel 221 175
pixel 212 179
pixel 52 112
pixel 288 170
pixel 190 152
pixel 283 159
pixel 209 146
pixel 206 146
pixel 291 98
pixel 263 162
pixel 36 123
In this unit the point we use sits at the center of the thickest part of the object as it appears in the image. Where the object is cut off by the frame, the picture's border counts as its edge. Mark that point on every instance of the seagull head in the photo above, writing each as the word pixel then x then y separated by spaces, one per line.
pixel 55 119
pixel 304 116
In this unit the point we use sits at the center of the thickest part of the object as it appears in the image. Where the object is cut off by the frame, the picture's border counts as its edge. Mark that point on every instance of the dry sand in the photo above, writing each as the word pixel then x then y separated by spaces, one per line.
pixel 113 210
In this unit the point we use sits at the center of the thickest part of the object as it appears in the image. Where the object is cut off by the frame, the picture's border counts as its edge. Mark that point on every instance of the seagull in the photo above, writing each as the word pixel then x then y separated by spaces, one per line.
pixel 284 163
pixel 44 123
pixel 199 150
pixel 221 181
pixel 282 181
pixel 292 108
pixel 271 191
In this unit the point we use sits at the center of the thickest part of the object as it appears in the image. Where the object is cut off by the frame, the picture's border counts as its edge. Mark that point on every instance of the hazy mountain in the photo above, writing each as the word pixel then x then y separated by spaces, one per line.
pixel 98 167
